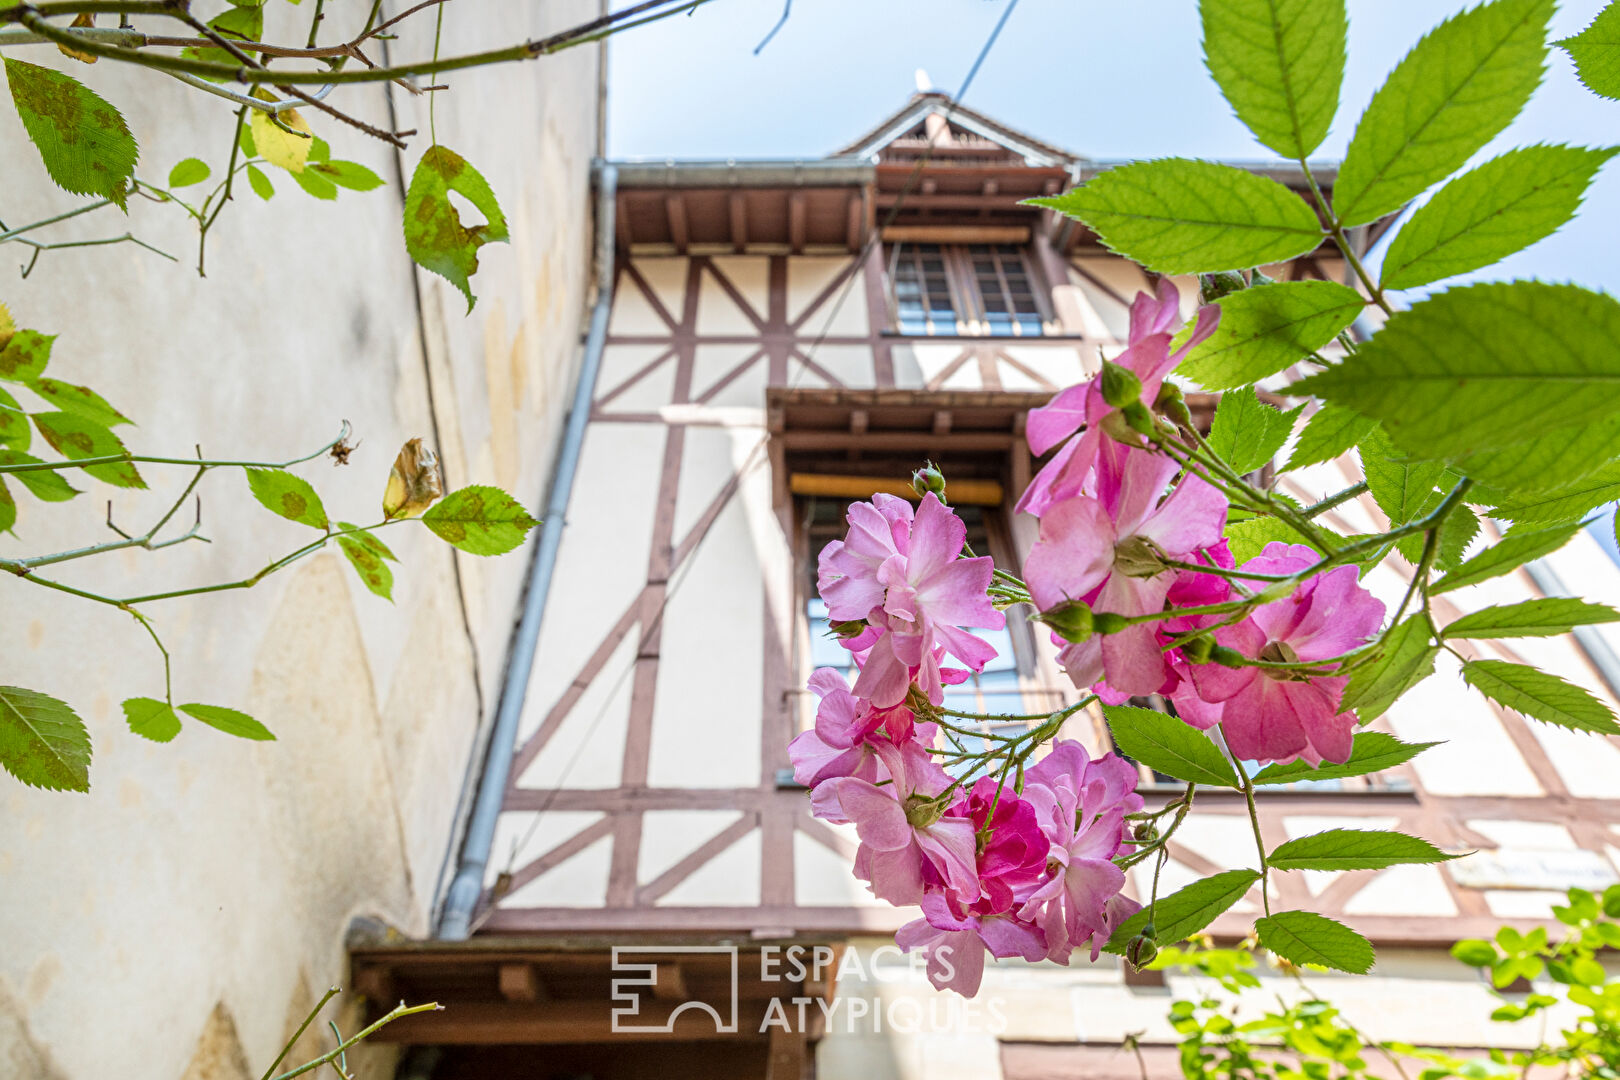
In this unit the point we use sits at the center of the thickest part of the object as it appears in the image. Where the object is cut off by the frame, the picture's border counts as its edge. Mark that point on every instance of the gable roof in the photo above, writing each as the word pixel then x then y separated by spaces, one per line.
pixel 963 120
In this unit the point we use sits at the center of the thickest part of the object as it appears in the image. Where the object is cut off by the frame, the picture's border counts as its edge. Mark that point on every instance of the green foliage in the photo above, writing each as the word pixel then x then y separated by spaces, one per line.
pixel 190 171
pixel 1533 618
pixel 1246 432
pixel 151 719
pixel 1168 745
pixel 46 485
pixel 1540 695
pixel 1568 504
pixel 8 509
pixel 75 437
pixel 1548 464
pixel 1484 366
pixel 25 356
pixel 260 183
pixel 1372 751
pixel 229 721
pixel 1453 93
pixel 1517 547
pixel 1487 214
pixel 14 429
pixel 1331 431
pixel 1596 52
pixel 366 554
pixel 347 174
pixel 1246 539
pixel 434 233
pixel 1279 63
pixel 43 743
pixel 1266 328
pixel 78 400
pixel 1179 216
pixel 1187 911
pixel 479 520
pixel 1304 937
pixel 291 496
pixel 1402 488
pixel 242 22
pixel 84 141
pixel 1353 849
pixel 1405 659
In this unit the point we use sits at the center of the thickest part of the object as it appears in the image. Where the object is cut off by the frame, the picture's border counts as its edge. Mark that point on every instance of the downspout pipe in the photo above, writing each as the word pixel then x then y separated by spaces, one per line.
pixel 455 923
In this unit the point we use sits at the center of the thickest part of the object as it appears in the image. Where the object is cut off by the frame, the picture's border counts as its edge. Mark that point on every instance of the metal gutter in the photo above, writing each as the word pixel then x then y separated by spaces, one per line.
pixel 455 923
pixel 804 172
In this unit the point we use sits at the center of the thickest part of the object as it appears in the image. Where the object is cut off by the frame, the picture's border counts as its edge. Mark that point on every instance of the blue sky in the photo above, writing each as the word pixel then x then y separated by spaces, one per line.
pixel 1111 80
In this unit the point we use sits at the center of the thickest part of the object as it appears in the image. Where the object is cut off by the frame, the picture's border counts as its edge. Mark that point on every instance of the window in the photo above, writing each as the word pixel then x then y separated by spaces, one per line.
pixel 973 289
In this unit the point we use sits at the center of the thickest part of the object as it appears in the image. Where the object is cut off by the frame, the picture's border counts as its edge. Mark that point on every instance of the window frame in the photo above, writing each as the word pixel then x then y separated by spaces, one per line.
pixel 971 317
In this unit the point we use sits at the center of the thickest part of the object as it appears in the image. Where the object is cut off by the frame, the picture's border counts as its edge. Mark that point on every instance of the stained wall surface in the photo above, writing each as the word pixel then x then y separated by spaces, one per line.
pixel 180 918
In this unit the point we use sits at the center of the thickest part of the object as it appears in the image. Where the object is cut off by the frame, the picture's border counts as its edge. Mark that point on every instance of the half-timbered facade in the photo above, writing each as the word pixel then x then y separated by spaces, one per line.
pixel 786 337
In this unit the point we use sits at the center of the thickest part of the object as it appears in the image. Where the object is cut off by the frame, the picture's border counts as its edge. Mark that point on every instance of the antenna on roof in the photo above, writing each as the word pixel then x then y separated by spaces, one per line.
pixel 925 85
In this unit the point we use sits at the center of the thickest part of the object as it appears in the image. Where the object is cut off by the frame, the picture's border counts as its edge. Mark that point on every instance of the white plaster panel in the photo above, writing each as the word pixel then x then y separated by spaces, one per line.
pixel 1476 756
pixel 1224 839
pixel 849 364
pixel 1523 903
pixel 633 315
pixel 711 363
pixel 822 877
pixel 750 275
pixel 1532 835
pixel 668 836
pixel 587 749
pixel 808 275
pixel 730 879
pixel 932 358
pixel 718 313
pixel 1058 364
pixel 601 564
pixel 667 277
pixel 521 836
pixel 708 460
pixel 577 882
pixel 706 731
pixel 1403 890
pixel 650 392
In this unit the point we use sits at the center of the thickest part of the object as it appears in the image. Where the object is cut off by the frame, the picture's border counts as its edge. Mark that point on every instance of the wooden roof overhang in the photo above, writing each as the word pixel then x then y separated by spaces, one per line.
pixel 703 207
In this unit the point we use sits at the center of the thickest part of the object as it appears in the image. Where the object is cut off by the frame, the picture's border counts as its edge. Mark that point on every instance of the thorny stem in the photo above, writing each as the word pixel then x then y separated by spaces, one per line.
pixel 1247 783
pixel 225 194
pixel 1336 499
pixel 142 541
pixel 1345 247
pixel 85 209
pixel 398 1011
pixel 145 459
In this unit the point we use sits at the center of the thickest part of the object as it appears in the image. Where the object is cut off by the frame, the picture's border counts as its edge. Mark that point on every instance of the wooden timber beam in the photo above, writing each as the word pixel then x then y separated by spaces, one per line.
pixel 478 1023
pixel 520 982
pixel 675 208
pixel 738 205
pixel 798 216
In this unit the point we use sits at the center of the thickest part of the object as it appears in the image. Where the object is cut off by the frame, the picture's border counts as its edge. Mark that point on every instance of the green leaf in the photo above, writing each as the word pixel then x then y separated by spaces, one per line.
pixel 25 355
pixel 1533 618
pixel 374 573
pixel 1179 216
pixel 1185 912
pixel 319 151
pixel 1516 548
pixel 42 742
pixel 46 485
pixel 79 400
pixel 1279 64
pixel 244 22
pixel 1484 366
pixel 1407 658
pixel 1547 464
pixel 1331 431
pixel 1246 432
pixel 14 429
pixel 1569 504
pixel 1266 328
pixel 280 492
pixel 480 520
pixel 76 437
pixel 1596 52
pixel 369 539
pixel 190 171
pixel 1402 488
pixel 151 719
pixel 8 509
pixel 229 721
pixel 1372 751
pixel 1539 695
pixel 1168 745
pixel 1452 94
pixel 84 141
pixel 1304 937
pixel 1354 849
pixel 349 174
pixel 1246 539
pixel 262 187
pixel 1475 952
pixel 1486 214
pixel 314 184
pixel 434 233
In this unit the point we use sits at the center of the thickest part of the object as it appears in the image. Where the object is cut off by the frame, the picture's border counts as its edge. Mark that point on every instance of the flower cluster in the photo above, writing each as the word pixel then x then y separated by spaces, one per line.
pixel 1129 535
pixel 1133 574
pixel 1018 873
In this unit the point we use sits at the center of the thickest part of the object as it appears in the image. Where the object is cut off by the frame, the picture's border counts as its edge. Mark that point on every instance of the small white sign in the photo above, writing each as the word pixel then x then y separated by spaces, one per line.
pixel 1518 868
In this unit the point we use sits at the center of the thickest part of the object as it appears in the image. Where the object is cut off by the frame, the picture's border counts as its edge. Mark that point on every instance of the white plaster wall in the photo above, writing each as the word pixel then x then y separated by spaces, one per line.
pixel 177 919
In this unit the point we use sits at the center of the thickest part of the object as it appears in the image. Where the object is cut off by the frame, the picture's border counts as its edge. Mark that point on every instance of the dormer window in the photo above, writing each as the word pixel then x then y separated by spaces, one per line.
pixel 973 290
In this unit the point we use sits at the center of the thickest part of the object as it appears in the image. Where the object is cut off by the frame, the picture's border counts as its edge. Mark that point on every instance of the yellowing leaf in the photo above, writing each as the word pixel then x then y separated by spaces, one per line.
pixel 280 147
pixel 81 21
pixel 413 482
pixel 7 327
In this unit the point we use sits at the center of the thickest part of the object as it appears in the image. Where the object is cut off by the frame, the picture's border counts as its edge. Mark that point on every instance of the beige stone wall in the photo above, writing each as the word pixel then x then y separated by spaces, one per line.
pixel 179 919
